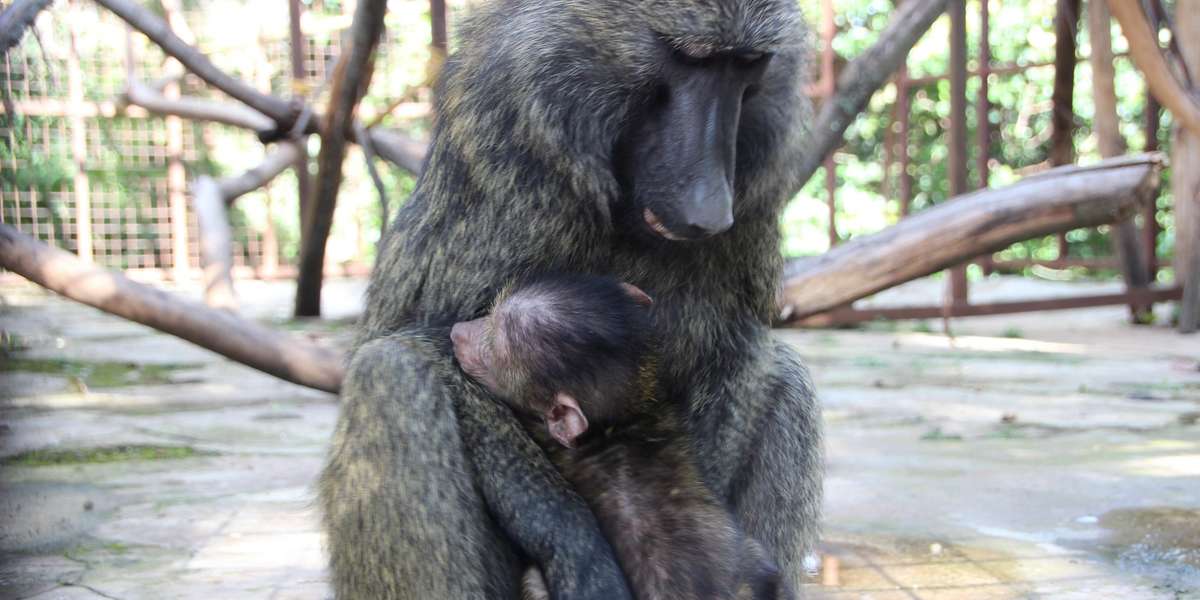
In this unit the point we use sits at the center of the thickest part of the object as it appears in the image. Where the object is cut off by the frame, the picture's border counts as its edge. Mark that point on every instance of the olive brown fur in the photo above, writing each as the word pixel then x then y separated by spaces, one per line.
pixel 559 130
pixel 583 374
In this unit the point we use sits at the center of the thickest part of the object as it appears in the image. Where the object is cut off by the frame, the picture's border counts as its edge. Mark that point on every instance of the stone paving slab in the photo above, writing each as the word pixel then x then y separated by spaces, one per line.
pixel 1050 455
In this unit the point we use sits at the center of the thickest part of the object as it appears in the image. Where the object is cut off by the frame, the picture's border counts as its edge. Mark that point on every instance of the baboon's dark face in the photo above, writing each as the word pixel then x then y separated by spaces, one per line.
pixel 676 117
pixel 677 161
pixel 677 157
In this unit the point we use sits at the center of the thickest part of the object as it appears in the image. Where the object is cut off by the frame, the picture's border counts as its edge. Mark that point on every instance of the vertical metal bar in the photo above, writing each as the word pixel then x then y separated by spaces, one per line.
pixel 83 198
pixel 177 191
pixel 1150 228
pixel 828 87
pixel 1062 147
pixel 983 126
pixel 299 48
pixel 958 127
pixel 437 24
pixel 904 108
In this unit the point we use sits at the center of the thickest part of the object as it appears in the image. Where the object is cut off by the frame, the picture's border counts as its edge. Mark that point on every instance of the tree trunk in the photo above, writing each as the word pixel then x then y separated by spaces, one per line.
pixel 1125 240
pixel 351 77
pixel 988 220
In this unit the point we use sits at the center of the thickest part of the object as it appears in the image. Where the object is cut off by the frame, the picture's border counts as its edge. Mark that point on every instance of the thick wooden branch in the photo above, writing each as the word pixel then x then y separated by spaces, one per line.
pixel 985 221
pixel 15 19
pixel 283 112
pixel 351 77
pixel 281 156
pixel 398 149
pixel 216 243
pixel 1106 124
pixel 866 74
pixel 197 109
pixel 1143 46
pixel 210 201
pixel 222 332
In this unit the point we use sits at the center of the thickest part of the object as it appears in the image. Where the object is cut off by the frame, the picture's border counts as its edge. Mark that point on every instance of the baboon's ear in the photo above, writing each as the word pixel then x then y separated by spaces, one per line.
pixel 637 294
pixel 565 420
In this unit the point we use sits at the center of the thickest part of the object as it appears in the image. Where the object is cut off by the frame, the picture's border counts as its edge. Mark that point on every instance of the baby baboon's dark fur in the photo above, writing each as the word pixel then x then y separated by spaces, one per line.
pixel 583 340
pixel 434 490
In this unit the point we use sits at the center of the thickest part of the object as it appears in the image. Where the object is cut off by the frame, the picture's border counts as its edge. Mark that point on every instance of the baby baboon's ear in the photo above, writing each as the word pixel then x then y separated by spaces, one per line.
pixel 637 294
pixel 565 420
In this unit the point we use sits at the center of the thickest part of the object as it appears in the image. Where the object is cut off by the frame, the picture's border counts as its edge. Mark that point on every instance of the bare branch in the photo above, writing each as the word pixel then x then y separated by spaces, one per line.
pixel 282 156
pixel 16 19
pixel 216 243
pixel 1143 46
pixel 866 74
pixel 364 142
pixel 1058 200
pixel 398 149
pixel 283 112
pixel 237 115
pixel 222 332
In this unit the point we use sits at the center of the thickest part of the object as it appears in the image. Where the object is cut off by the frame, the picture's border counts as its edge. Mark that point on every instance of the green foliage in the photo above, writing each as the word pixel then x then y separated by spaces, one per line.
pixel 1021 32
pixel 51 457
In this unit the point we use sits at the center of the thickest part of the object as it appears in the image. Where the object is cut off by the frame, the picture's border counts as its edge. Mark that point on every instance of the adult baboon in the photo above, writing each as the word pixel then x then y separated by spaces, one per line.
pixel 652 140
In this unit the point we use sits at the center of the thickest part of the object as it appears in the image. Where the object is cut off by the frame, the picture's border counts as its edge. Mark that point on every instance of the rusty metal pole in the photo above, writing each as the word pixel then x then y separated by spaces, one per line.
pixel 1062 146
pixel 983 126
pixel 828 87
pixel 1150 228
pixel 904 109
pixel 958 127
pixel 83 197
pixel 304 186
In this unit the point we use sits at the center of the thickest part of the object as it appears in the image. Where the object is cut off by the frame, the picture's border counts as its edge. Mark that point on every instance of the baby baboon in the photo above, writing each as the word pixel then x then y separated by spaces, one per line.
pixel 572 352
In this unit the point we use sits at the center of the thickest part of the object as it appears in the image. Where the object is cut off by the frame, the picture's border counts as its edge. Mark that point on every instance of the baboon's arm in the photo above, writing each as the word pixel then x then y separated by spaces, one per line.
pixel 536 507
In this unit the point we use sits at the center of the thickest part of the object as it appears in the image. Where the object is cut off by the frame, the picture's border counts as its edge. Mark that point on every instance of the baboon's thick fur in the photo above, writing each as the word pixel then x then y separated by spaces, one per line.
pixel 432 489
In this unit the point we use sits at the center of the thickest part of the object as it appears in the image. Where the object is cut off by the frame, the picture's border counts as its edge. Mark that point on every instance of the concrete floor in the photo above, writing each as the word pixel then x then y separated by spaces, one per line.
pixel 1052 455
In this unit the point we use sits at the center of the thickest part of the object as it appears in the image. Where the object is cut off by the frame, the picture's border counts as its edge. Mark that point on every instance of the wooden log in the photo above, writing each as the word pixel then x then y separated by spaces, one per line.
pixel 222 332
pixel 964 227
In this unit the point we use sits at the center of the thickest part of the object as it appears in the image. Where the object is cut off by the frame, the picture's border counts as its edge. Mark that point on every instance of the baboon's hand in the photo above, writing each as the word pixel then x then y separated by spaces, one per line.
pixel 587 571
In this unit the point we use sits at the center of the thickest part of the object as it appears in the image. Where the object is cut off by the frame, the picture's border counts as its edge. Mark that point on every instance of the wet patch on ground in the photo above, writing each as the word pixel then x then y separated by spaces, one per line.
pixel 1162 543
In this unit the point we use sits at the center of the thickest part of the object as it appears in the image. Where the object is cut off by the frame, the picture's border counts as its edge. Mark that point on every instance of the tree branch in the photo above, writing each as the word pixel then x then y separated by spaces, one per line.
pixel 16 19
pixel 1143 46
pixel 237 115
pixel 398 149
pixel 282 156
pixel 866 74
pixel 283 112
pixel 210 201
pixel 351 77
pixel 222 332
pixel 1058 200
